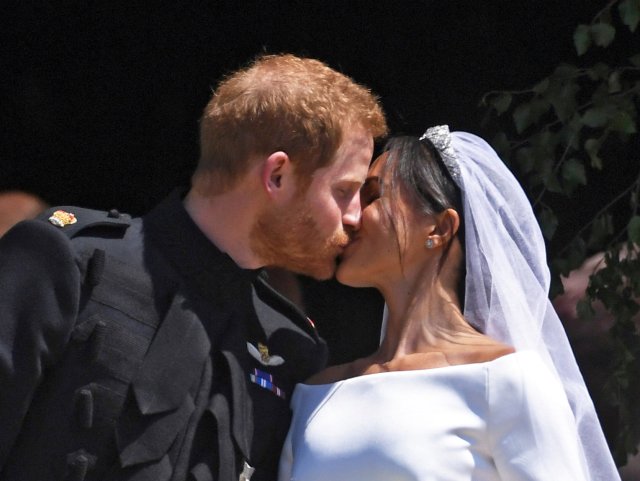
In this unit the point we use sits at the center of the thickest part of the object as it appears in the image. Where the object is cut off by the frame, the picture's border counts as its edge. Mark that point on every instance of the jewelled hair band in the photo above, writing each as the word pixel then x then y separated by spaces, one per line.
pixel 440 137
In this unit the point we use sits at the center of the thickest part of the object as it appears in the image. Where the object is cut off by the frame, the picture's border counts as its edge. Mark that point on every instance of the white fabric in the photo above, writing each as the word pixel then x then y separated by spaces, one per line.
pixel 507 284
pixel 506 419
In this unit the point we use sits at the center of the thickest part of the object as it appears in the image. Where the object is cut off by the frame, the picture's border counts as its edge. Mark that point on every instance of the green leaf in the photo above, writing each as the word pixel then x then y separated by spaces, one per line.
pixel 544 143
pixel 573 172
pixel 525 159
pixel 527 114
pixel 555 286
pixel 552 183
pixel 601 229
pixel 561 266
pixel 633 229
pixel 522 117
pixel 582 39
pixel 595 117
pixel 541 86
pixel 602 34
pixel 592 147
pixel 623 122
pixel 570 134
pixel 635 60
pixel 564 101
pixel 630 13
pixel 501 102
pixel 585 310
pixel 614 82
pixel 576 254
pixel 548 223
pixel 501 144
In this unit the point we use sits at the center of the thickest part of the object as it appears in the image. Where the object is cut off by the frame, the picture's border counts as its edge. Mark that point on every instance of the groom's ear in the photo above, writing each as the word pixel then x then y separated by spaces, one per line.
pixel 276 176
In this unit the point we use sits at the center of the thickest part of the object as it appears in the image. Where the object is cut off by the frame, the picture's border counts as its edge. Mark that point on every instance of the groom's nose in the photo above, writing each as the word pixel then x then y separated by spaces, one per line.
pixel 351 216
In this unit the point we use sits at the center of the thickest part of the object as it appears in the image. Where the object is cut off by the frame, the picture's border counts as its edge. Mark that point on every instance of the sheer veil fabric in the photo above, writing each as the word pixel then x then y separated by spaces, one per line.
pixel 507 279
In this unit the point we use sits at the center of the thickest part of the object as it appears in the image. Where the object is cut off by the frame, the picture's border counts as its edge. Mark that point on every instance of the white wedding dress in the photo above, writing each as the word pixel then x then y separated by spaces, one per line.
pixel 507 419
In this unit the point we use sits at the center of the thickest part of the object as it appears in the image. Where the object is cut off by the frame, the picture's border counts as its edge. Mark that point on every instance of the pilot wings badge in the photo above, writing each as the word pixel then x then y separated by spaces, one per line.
pixel 261 354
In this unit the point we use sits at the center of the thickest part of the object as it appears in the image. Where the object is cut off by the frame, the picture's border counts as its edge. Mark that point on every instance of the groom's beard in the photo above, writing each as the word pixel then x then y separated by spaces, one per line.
pixel 291 238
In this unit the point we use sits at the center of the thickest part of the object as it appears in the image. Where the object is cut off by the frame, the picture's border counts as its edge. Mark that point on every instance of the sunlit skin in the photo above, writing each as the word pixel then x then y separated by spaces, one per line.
pixel 425 327
pixel 310 231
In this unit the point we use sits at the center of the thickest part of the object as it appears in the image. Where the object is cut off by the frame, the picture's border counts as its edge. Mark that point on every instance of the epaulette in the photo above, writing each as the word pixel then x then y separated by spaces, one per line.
pixel 73 220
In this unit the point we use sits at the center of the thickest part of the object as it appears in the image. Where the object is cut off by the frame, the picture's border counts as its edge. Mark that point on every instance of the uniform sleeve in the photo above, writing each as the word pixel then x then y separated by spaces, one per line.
pixel 532 431
pixel 39 296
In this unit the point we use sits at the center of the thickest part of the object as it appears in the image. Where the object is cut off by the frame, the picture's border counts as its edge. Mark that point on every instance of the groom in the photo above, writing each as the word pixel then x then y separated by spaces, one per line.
pixel 153 348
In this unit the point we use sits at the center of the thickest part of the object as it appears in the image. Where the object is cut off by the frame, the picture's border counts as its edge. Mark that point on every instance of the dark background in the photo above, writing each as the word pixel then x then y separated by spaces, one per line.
pixel 100 100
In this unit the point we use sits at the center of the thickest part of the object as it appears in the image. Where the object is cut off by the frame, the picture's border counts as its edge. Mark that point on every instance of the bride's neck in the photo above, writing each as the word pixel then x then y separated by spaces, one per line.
pixel 424 316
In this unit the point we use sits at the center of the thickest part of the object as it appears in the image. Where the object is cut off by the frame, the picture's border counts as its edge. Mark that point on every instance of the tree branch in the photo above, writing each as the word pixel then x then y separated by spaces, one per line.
pixel 608 6
pixel 610 204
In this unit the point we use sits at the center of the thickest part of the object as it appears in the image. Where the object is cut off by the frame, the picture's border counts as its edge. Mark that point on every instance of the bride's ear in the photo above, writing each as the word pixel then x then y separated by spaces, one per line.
pixel 449 223
pixel 444 229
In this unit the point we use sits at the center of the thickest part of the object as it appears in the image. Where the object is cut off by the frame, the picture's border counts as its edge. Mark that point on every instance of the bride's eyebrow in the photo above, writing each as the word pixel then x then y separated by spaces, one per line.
pixel 371 180
pixel 371 187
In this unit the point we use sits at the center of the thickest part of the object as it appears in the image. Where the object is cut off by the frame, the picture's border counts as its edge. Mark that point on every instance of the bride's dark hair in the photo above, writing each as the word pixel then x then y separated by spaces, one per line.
pixel 416 167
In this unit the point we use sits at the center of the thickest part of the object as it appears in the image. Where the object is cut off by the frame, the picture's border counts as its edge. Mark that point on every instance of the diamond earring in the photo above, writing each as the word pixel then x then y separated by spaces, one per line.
pixel 429 244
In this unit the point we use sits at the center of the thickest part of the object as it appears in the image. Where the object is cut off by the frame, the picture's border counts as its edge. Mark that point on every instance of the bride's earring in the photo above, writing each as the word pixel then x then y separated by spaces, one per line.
pixel 429 244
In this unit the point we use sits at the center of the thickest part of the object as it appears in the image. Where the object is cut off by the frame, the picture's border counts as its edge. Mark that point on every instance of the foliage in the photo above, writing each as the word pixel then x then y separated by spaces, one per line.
pixel 559 137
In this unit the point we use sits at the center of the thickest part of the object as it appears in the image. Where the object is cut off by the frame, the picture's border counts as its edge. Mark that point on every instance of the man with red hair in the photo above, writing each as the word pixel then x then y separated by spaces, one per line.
pixel 153 348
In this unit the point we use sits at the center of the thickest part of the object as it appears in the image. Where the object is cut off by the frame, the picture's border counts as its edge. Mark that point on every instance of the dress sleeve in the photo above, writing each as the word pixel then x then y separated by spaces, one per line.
pixel 532 431
pixel 286 459
pixel 39 296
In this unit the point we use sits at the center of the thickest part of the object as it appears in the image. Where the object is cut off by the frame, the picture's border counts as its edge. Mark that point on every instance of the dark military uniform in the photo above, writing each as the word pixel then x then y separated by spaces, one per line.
pixel 133 349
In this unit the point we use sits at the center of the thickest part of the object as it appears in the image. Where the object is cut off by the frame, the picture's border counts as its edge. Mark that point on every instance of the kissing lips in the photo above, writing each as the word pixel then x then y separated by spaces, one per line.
pixel 349 246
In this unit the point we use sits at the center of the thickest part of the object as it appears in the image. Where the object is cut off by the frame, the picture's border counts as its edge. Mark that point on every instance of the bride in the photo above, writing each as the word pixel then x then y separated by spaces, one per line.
pixel 474 378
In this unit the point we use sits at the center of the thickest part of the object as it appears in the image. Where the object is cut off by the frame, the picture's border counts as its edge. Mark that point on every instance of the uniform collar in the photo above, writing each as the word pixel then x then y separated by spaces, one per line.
pixel 171 228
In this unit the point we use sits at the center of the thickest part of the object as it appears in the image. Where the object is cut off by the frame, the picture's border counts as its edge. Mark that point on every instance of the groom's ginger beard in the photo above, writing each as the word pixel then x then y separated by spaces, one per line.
pixel 290 238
